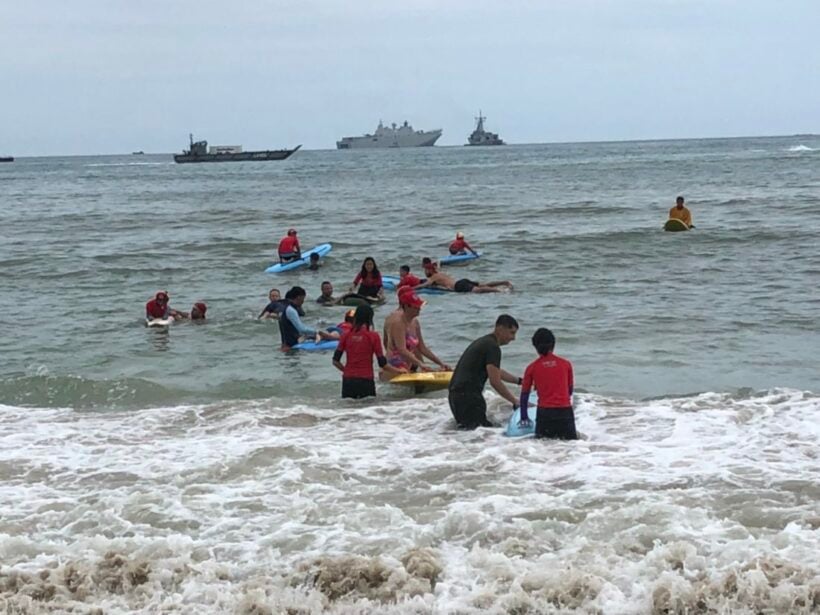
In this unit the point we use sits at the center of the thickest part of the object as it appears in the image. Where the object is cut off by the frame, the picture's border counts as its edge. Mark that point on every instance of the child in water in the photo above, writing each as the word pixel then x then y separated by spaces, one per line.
pixel 553 380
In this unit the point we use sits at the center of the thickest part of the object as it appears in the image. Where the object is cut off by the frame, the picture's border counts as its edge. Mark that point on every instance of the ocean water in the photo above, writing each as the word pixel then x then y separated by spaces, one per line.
pixel 198 469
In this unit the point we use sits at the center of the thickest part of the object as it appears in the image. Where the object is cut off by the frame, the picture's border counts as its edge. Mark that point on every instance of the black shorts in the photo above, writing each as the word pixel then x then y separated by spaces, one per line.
pixel 356 388
pixel 558 423
pixel 469 409
pixel 464 286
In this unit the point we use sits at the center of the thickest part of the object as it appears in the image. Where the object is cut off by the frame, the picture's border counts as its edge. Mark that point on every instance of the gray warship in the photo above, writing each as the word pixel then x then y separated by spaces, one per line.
pixel 481 137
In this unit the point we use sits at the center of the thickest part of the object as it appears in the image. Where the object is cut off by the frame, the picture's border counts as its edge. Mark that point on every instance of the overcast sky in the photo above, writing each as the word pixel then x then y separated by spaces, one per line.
pixel 112 76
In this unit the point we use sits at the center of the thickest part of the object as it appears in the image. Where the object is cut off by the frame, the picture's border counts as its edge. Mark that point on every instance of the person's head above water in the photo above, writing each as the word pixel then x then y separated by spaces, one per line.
pixel 292 232
pixel 459 235
pixel 430 267
pixel 404 270
pixel 350 315
pixel 161 296
pixel 369 267
pixel 505 329
pixel 296 295
pixel 198 311
pixel 327 289
pixel 274 295
pixel 679 201
pixel 544 341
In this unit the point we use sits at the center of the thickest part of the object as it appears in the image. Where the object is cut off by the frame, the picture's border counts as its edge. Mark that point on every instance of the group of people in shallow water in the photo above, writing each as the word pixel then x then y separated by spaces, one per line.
pixel 159 308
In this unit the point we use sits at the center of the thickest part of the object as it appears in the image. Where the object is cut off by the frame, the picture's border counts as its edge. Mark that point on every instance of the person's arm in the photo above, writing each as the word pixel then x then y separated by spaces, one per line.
pixel 508 377
pixel 470 248
pixel 571 382
pixel 382 360
pixel 524 399
pixel 293 316
pixel 494 375
pixel 337 356
pixel 426 352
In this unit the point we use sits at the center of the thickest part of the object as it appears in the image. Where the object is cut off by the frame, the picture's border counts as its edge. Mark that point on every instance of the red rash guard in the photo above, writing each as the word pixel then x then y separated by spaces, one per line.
pixel 553 379
pixel 360 345
pixel 288 245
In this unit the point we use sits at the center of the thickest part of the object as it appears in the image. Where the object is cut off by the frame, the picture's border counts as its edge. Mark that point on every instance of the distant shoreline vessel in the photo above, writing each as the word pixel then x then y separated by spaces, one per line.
pixel 402 136
pixel 199 152
pixel 6 158
pixel 480 136
pixel 139 153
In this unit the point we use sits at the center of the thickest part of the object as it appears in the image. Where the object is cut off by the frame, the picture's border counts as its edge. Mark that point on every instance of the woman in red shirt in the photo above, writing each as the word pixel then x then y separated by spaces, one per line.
pixel 553 379
pixel 360 344
pixel 369 282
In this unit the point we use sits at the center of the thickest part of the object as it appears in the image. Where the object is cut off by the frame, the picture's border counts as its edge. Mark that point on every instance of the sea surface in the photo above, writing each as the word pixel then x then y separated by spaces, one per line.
pixel 200 470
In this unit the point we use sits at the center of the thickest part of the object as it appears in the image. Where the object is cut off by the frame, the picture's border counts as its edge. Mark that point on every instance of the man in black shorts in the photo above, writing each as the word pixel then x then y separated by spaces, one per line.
pixel 480 362
pixel 448 282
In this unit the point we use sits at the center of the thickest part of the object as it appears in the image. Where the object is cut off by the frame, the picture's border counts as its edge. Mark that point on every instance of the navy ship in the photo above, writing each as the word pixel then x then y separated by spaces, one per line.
pixel 481 136
pixel 395 136
pixel 199 152
pixel 6 158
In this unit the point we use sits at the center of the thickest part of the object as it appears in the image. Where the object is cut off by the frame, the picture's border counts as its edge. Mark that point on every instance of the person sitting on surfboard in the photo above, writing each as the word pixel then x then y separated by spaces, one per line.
pixel 361 344
pixel 291 327
pixel 327 298
pixel 460 245
pixel 681 212
pixel 442 280
pixel 289 250
pixel 406 278
pixel 368 283
pixel 553 380
pixel 403 340
pixel 158 307
pixel 478 363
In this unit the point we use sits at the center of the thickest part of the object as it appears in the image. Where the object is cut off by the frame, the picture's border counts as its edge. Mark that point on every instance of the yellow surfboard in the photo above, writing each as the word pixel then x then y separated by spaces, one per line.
pixel 424 381
pixel 673 225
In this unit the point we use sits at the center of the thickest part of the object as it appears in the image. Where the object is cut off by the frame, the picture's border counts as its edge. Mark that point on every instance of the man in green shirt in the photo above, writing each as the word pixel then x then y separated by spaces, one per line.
pixel 480 362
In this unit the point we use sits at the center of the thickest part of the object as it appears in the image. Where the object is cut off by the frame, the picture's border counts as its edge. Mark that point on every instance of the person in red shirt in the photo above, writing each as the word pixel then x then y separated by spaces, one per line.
pixel 460 245
pixel 406 278
pixel 360 344
pixel 338 332
pixel 368 282
pixel 158 307
pixel 289 249
pixel 553 380
pixel 430 266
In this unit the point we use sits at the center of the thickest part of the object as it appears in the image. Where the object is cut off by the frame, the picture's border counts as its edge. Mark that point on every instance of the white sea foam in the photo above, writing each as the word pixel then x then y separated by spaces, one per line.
pixel 801 148
pixel 698 503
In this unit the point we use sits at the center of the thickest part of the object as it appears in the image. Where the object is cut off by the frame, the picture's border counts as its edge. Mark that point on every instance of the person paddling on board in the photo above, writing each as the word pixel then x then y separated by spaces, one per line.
pixel 681 212
pixel 403 339
pixel 291 327
pixel 448 282
pixel 460 246
pixel 361 344
pixel 479 362
pixel 289 249
pixel 158 308
pixel 553 380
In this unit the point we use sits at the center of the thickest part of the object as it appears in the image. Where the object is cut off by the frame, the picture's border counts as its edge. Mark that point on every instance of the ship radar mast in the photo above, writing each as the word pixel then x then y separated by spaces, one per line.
pixel 480 122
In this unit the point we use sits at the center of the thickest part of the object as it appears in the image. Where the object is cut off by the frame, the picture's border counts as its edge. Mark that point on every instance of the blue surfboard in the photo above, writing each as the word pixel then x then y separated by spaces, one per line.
pixel 391 282
pixel 514 430
pixel 321 250
pixel 313 346
pixel 454 259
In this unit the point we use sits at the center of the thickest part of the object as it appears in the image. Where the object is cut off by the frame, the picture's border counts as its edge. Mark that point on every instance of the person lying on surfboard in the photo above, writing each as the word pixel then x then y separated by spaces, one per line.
pixel 403 339
pixel 430 266
pixel 460 246
pixel 448 282
pixel 289 249
pixel 681 212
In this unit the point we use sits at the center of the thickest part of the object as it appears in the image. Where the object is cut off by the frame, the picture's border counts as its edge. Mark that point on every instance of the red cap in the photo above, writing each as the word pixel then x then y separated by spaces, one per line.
pixel 201 307
pixel 291 231
pixel 410 299
pixel 161 293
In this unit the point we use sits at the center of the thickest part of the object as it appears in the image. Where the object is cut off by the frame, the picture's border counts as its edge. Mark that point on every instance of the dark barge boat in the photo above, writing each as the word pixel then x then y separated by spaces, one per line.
pixel 199 152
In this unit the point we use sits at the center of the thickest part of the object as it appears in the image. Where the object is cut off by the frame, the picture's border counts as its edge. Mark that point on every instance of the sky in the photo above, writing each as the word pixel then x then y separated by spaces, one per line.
pixel 115 76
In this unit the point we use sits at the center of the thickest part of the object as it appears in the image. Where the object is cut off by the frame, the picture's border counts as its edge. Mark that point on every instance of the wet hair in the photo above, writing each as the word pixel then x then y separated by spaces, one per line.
pixel 364 273
pixel 295 293
pixel 314 256
pixel 426 261
pixel 363 317
pixel 325 282
pixel 405 268
pixel 274 289
pixel 505 320
pixel 679 199
pixel 543 340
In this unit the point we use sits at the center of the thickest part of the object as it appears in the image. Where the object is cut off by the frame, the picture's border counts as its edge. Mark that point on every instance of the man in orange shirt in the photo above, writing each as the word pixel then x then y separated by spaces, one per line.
pixel 680 212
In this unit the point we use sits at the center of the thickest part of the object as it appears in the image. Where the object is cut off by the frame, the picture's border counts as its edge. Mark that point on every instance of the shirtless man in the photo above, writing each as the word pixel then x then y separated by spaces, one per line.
pixel 442 280
pixel 403 341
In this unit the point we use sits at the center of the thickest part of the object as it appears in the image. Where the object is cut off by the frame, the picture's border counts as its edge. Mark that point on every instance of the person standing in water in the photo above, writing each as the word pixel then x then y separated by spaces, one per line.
pixel 681 212
pixel 403 339
pixel 291 327
pixel 360 344
pixel 479 362
pixel 554 382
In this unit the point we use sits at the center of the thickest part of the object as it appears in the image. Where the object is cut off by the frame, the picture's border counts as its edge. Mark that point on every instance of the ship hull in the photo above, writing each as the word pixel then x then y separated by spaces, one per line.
pixel 419 139
pixel 259 156
pixel 6 158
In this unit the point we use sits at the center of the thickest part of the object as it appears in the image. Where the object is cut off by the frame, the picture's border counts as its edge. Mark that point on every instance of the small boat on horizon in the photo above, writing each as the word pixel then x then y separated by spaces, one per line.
pixel 199 152
pixel 6 158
